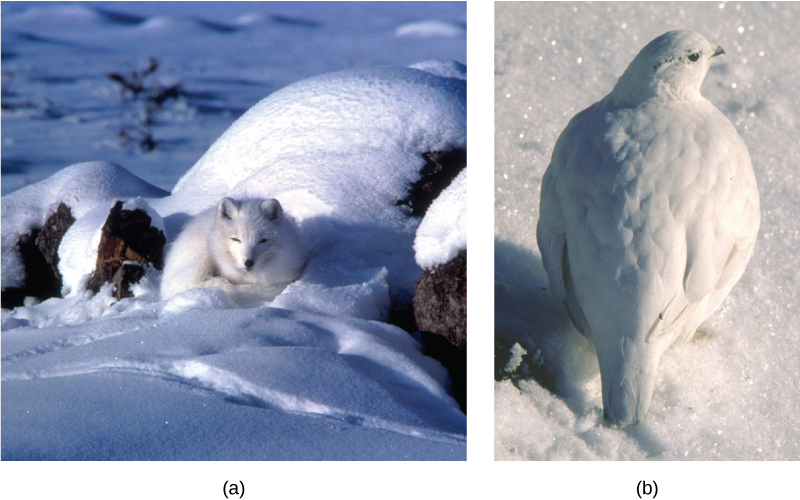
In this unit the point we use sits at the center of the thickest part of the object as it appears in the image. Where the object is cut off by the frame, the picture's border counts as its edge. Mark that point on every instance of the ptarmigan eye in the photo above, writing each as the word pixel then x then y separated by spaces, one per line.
pixel 694 57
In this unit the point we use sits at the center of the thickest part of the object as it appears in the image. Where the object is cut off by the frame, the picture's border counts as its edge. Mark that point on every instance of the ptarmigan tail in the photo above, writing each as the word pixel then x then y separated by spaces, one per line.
pixel 628 374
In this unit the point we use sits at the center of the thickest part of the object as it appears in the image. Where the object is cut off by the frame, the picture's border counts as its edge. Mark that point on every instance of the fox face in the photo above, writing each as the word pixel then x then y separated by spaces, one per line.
pixel 248 231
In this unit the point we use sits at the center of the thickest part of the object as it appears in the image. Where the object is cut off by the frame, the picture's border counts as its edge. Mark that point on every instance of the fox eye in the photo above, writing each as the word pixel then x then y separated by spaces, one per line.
pixel 237 240
pixel 694 57
pixel 262 240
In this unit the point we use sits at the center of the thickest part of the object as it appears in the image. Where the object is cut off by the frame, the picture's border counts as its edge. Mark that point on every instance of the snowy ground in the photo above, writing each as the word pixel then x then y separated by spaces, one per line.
pixel 319 375
pixel 733 392
pixel 226 55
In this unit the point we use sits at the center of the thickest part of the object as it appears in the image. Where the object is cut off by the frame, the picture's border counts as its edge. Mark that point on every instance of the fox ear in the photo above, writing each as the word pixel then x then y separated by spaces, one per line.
pixel 227 208
pixel 272 209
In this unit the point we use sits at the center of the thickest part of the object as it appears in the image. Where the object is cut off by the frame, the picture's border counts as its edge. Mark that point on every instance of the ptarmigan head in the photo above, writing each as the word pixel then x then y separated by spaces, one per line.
pixel 673 66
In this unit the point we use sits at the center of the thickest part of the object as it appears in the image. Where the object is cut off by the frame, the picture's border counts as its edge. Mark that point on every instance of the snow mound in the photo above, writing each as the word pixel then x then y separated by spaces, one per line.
pixel 315 376
pixel 82 187
pixel 429 29
pixel 199 298
pixel 446 68
pixel 365 295
pixel 54 17
pixel 443 231
pixel 345 143
pixel 339 151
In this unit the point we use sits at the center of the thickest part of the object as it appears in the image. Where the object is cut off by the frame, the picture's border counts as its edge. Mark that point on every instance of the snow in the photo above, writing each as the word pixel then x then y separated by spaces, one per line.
pixel 338 150
pixel 222 385
pixel 517 352
pixel 443 231
pixel 83 187
pixel 428 29
pixel 227 56
pixel 731 393
pixel 317 374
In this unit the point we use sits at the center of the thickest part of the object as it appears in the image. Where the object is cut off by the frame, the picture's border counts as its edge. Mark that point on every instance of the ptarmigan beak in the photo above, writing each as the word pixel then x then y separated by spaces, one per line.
pixel 718 51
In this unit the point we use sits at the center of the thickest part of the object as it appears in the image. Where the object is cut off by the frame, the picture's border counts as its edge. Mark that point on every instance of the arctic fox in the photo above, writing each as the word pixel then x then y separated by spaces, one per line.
pixel 248 248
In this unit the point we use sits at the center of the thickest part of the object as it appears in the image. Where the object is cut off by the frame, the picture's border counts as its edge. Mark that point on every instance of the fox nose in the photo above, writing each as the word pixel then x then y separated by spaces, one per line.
pixel 248 264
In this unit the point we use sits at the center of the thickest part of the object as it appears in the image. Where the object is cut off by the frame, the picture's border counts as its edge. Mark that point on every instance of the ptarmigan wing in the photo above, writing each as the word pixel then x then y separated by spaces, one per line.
pixel 571 149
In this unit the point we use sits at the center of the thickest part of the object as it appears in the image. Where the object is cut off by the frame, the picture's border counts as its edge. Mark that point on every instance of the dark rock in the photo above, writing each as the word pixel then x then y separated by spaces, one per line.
pixel 125 276
pixel 440 309
pixel 440 302
pixel 39 251
pixel 51 235
pixel 127 237
pixel 440 169
pixel 13 297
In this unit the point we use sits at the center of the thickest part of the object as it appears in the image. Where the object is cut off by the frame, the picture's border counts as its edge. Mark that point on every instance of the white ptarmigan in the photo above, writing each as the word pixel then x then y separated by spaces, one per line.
pixel 649 214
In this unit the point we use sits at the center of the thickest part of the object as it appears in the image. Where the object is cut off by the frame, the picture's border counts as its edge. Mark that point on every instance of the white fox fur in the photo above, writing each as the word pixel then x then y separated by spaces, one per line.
pixel 248 248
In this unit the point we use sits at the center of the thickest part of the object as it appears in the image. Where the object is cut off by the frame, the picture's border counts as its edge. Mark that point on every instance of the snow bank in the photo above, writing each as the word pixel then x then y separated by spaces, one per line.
pixel 339 151
pixel 730 394
pixel 83 187
pixel 346 144
pixel 317 375
pixel 238 384
pixel 226 55
pixel 429 29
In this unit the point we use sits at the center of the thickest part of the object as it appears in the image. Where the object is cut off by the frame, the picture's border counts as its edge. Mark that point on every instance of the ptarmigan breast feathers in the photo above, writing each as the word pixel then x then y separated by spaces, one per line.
pixel 649 214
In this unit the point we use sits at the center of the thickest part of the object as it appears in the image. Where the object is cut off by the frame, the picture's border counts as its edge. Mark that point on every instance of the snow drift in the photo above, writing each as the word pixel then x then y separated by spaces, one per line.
pixel 314 375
